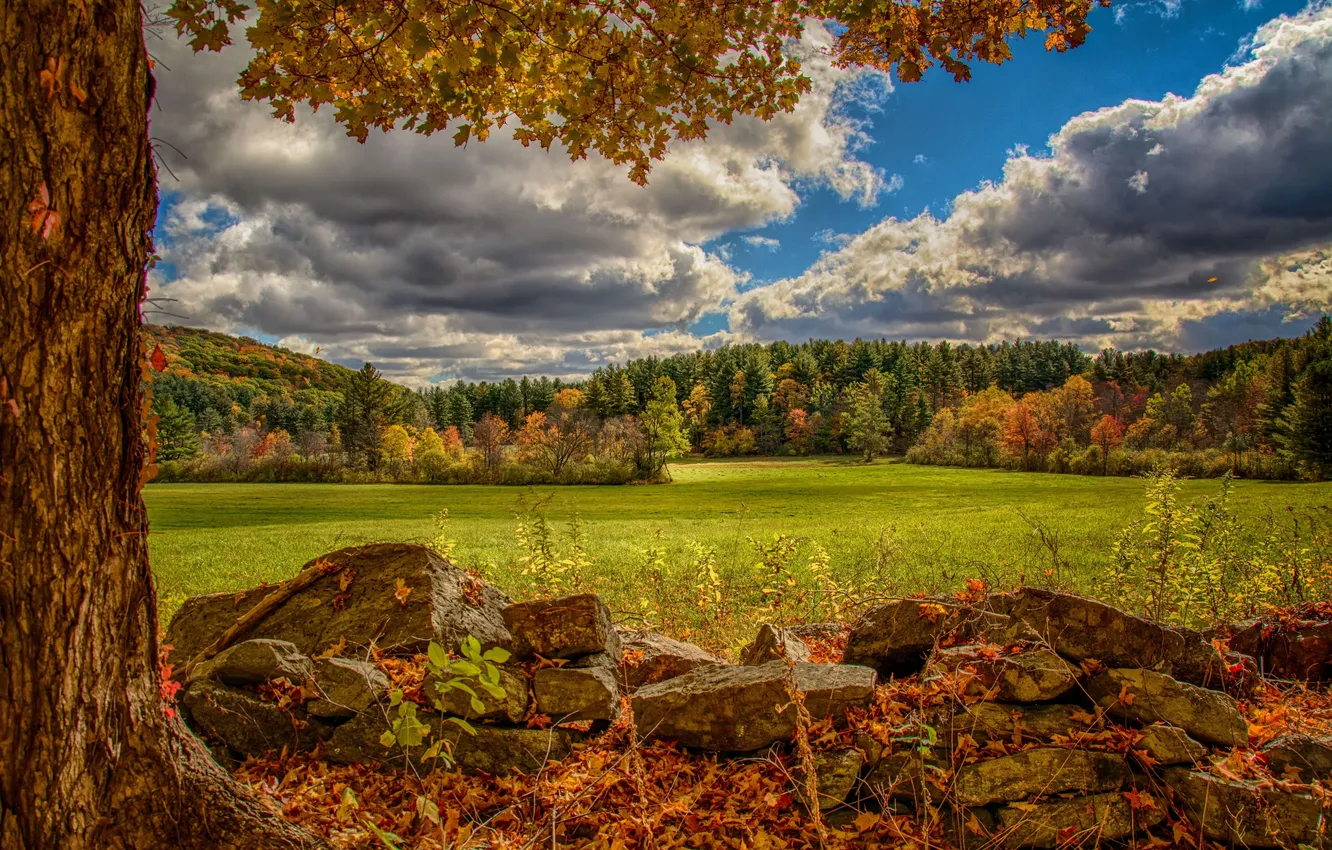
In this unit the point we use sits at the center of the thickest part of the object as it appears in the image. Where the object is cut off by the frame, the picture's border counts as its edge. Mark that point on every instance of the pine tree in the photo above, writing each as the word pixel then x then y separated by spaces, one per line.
pixel 368 404
pixel 1307 423
pixel 177 434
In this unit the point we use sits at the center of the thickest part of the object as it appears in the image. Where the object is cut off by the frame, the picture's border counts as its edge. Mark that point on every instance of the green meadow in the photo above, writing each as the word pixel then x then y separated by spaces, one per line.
pixel 912 528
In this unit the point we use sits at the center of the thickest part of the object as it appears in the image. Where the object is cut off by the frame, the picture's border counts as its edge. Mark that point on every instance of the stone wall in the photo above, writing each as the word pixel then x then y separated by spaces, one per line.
pixel 1028 719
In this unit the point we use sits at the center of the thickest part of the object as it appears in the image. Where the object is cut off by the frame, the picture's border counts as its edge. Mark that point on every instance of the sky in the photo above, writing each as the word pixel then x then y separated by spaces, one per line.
pixel 1168 184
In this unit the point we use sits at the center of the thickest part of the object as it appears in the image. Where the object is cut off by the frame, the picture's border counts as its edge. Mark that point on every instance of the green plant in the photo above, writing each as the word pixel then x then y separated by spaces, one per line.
pixel 773 570
pixel 475 670
pixel 441 544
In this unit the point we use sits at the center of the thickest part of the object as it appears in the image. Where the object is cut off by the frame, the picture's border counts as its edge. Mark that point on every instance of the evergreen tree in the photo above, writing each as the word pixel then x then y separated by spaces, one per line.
pixel 177 434
pixel 867 427
pixel 663 427
pixel 1307 431
pixel 368 404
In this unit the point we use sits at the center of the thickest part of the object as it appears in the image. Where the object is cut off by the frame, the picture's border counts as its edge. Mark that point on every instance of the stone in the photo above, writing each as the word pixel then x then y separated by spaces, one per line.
pixel 1106 817
pixel 346 687
pixel 1079 628
pixel 894 638
pixel 253 662
pixel 771 644
pixel 905 774
pixel 596 659
pixel 1210 716
pixel 246 724
pixel 572 693
pixel 494 750
pixel 1034 675
pixel 1168 745
pixel 562 628
pixel 1312 757
pixel 988 721
pixel 742 709
pixel 444 604
pixel 1046 770
pixel 457 702
pixel 1239 813
pixel 1302 652
pixel 650 657
pixel 836 773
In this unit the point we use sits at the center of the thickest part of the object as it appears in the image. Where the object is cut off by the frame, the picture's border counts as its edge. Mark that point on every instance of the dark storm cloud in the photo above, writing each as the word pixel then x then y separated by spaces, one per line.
pixel 1146 216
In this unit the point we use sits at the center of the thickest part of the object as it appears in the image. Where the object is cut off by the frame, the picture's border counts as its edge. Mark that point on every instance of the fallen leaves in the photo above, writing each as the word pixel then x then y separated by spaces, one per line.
pixel 402 593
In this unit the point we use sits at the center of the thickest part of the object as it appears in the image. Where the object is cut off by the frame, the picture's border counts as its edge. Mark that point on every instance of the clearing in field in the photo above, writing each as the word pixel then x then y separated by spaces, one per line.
pixel 656 552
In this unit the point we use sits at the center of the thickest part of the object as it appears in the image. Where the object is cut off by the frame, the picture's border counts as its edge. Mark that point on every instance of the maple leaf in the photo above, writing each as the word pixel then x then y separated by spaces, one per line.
pixel 345 579
pixel 1125 696
pixel 402 593
pixel 1140 800
pixel 865 821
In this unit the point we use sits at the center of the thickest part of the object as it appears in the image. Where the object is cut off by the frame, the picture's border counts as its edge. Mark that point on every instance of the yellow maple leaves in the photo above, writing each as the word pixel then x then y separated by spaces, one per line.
pixel 616 77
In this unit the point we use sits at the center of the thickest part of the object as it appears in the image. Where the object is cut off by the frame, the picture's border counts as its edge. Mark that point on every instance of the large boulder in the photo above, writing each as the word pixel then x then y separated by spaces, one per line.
pixel 1104 817
pixel 1145 696
pixel 346 687
pixel 568 627
pixel 246 724
pixel 495 750
pixel 771 644
pixel 253 662
pixel 512 707
pixel 577 693
pixel 650 657
pixel 1046 770
pixel 742 709
pixel 989 721
pixel 1242 814
pixel 1033 675
pixel 362 603
pixel 1080 628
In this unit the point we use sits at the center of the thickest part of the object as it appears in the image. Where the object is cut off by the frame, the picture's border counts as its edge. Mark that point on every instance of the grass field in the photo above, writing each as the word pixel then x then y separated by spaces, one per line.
pixel 925 527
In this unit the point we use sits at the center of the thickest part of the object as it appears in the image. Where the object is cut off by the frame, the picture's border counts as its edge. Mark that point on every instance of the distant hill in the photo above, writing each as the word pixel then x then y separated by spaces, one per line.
pixel 218 358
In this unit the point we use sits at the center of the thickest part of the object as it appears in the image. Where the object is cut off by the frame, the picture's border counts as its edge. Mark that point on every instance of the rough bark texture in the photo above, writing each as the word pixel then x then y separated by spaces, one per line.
pixel 90 759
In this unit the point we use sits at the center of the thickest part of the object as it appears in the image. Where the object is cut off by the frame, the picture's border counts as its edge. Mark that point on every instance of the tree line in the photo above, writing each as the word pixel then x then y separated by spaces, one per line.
pixel 1252 409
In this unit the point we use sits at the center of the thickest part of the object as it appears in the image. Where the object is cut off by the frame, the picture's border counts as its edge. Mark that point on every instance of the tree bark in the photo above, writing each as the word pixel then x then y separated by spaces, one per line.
pixel 88 755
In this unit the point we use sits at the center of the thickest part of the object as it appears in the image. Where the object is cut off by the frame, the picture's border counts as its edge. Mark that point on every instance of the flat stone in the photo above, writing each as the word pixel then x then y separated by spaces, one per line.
pixel 253 662
pixel 771 644
pixel 1105 817
pixel 494 750
pixel 1034 675
pixel 987 721
pixel 512 707
pixel 246 724
pixel 1241 814
pixel 572 693
pixel 346 686
pixel 1312 757
pixel 836 774
pixel 1168 745
pixel 441 603
pixel 1079 628
pixel 650 657
pixel 562 628
pixel 1210 716
pixel 742 709
pixel 1044 771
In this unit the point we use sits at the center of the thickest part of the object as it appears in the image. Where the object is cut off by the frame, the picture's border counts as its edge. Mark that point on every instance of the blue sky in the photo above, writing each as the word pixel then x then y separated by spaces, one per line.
pixel 965 130
pixel 1071 196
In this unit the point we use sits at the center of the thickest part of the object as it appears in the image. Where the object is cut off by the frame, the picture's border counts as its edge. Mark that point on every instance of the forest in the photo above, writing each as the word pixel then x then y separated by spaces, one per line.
pixel 233 409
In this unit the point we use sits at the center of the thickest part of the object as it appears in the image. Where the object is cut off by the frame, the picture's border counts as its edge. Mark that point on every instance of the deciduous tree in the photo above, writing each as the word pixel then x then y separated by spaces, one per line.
pixel 90 758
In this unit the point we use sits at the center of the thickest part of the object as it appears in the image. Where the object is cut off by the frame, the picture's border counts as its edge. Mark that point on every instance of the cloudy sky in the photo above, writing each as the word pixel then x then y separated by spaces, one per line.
pixel 1169 184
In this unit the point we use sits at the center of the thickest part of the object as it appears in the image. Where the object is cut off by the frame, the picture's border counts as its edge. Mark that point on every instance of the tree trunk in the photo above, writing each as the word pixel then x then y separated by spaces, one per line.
pixel 88 755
